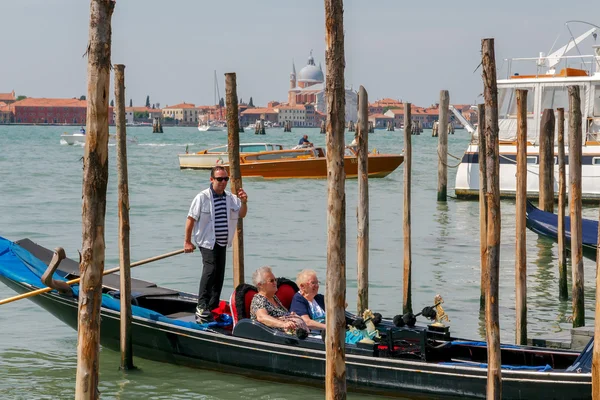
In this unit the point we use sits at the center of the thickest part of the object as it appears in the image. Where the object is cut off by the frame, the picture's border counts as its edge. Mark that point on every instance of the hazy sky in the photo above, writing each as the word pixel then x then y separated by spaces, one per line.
pixel 395 48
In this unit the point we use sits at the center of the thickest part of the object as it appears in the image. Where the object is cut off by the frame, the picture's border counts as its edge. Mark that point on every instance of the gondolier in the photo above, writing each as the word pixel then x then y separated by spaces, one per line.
pixel 211 223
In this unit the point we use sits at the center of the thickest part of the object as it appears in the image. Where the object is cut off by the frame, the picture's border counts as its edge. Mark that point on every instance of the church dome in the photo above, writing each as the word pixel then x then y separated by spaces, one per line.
pixel 311 73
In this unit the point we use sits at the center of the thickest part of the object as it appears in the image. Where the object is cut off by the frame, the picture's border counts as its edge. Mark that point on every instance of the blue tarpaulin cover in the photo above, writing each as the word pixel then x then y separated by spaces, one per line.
pixel 19 265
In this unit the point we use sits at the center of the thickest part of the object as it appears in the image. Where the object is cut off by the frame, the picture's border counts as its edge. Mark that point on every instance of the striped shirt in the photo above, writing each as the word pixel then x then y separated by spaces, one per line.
pixel 221 227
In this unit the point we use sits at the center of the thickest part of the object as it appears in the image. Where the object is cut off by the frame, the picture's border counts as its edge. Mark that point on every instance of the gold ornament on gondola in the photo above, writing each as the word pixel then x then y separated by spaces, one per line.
pixel 439 311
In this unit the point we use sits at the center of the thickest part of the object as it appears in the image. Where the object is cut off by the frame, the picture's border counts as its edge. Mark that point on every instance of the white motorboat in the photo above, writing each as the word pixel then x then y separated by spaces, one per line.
pixel 547 89
pixel 79 138
pixel 209 127
pixel 206 159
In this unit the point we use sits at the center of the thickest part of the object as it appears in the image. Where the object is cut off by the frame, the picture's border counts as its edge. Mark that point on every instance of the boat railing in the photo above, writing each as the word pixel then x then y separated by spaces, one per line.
pixel 588 63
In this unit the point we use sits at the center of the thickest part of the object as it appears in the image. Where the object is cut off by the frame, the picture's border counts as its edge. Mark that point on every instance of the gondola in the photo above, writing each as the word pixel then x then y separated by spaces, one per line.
pixel 546 224
pixel 407 361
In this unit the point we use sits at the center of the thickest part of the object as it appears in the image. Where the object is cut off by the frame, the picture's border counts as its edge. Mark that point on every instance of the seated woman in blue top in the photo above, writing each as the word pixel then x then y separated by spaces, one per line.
pixel 307 302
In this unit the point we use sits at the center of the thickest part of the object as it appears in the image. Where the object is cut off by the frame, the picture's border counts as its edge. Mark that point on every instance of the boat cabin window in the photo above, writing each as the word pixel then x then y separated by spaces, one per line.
pixel 597 101
pixel 555 97
pixel 507 102
pixel 532 159
pixel 596 161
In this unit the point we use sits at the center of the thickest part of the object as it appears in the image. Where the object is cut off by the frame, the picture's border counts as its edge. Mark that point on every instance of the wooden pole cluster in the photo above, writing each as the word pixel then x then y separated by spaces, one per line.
pixel 492 317
pixel 335 370
pixel 521 223
pixel 323 127
pixel 435 129
pixel 241 129
pixel 371 127
pixel 546 191
pixel 362 213
pixel 442 188
pixel 482 205
pixel 259 127
pixel 233 149
pixel 124 228
pixel 287 126
pixel 575 205
pixel 390 126
pixel 157 125
pixel 351 126
pixel 407 275
pixel 95 179
pixel 563 291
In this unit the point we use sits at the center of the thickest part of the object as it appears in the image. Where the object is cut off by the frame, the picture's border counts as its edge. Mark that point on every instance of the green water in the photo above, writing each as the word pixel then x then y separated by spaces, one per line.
pixel 40 198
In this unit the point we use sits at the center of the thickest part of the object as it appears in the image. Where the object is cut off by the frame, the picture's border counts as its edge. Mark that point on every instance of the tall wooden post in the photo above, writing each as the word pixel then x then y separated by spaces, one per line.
pixel 482 205
pixel 575 205
pixel 596 349
pixel 546 191
pixel 233 149
pixel 563 291
pixel 521 225
pixel 95 179
pixel 123 206
pixel 442 188
pixel 362 225
pixel 335 371
pixel 407 277
pixel 492 317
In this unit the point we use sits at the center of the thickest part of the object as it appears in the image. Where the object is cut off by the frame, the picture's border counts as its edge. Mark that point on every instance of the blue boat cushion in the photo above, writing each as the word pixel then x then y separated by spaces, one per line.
pixel 583 363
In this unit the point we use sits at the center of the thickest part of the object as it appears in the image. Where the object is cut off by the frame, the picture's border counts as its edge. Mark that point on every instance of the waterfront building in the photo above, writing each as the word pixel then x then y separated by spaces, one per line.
pixel 186 113
pixel 380 121
pixel 5 113
pixel 308 87
pixel 8 98
pixel 251 115
pixel 52 111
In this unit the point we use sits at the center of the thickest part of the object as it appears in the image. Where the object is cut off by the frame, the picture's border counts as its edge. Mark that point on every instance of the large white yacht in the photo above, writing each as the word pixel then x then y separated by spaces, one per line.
pixel 547 89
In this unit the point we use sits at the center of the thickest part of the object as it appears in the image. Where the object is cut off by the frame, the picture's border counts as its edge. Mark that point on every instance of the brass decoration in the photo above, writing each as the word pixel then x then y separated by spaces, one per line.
pixel 439 311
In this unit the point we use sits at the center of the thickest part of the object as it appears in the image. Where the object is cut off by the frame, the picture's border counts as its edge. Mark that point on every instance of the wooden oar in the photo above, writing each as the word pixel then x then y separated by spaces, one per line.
pixel 73 281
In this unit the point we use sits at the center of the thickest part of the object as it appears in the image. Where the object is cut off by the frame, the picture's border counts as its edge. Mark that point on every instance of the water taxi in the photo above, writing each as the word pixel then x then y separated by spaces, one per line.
pixel 206 159
pixel 547 89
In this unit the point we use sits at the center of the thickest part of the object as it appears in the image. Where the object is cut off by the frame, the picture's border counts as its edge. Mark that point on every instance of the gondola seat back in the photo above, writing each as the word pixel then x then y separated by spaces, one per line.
pixel 241 298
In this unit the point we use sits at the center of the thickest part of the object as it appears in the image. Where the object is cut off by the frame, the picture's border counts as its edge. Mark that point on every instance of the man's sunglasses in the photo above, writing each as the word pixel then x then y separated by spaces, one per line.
pixel 221 179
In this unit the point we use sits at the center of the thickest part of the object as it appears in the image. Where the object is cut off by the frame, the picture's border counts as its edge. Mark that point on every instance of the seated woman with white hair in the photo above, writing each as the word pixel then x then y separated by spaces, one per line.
pixel 266 308
pixel 307 302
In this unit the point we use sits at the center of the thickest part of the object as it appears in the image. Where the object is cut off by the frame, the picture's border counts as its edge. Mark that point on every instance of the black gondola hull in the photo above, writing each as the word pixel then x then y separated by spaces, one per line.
pixel 163 342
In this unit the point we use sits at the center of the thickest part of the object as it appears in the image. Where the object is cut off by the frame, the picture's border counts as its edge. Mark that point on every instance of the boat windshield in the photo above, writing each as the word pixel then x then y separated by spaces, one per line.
pixel 507 102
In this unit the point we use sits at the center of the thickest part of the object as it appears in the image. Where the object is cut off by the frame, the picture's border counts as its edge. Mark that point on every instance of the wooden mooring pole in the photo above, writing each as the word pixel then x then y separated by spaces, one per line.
pixel 442 187
pixel 575 205
pixel 95 179
pixel 233 149
pixel 335 369
pixel 596 349
pixel 362 224
pixel 546 190
pixel 563 291
pixel 492 316
pixel 521 223
pixel 482 205
pixel 407 274
pixel 124 228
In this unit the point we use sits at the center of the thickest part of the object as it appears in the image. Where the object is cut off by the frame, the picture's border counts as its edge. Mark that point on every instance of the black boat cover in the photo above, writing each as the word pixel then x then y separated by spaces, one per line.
pixel 546 223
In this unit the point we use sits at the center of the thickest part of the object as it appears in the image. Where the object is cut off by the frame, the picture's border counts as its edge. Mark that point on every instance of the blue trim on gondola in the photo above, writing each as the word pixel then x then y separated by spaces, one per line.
pixel 541 368
pixel 19 265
